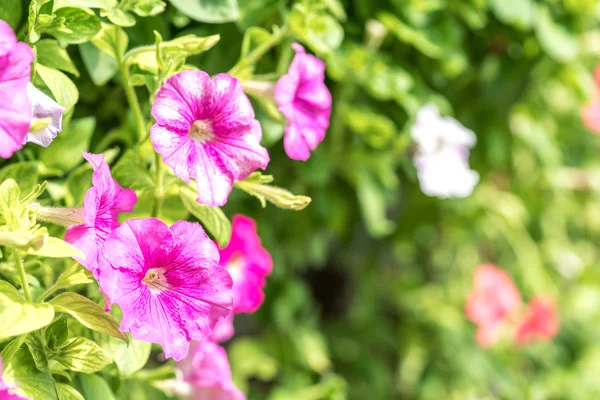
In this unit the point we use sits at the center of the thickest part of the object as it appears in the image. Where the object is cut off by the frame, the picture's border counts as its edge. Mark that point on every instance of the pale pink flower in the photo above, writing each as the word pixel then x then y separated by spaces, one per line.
pixel 539 322
pixel 103 202
pixel 205 130
pixel 493 300
pixel 15 107
pixel 43 106
pixel 7 392
pixel 248 263
pixel 209 373
pixel 591 112
pixel 305 101
pixel 167 281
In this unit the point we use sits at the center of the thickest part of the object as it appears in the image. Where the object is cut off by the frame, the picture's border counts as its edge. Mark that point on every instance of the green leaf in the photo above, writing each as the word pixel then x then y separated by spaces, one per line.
pixel 373 205
pixel 282 198
pixel 72 141
pixel 82 355
pixel 409 35
pixel 37 347
pixel 129 358
pixel 10 11
pixel 88 313
pixel 212 218
pixel 210 11
pixel 57 333
pixel 57 248
pixel 18 316
pixel 95 388
pixel 185 46
pixel 63 89
pixel 112 40
pixel 148 8
pixel 26 173
pixel 21 372
pixel 106 4
pixel 74 275
pixel 120 17
pixel 518 13
pixel 375 129
pixel 132 172
pixel 557 42
pixel 49 53
pixel 79 25
pixel 321 32
pixel 67 392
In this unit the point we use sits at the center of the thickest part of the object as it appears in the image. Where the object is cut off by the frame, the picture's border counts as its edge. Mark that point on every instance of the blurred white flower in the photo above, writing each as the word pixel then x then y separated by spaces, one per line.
pixel 442 160
pixel 46 110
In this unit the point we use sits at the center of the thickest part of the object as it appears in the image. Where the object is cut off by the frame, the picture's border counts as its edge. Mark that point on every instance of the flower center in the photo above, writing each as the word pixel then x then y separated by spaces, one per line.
pixel 156 280
pixel 201 131
pixel 234 267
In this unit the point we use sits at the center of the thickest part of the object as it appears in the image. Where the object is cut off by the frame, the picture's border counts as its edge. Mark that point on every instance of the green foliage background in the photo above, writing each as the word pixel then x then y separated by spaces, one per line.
pixel 366 300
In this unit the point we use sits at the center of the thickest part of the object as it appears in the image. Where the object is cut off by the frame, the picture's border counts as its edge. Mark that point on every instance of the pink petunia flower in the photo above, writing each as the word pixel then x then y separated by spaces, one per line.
pixel 248 263
pixel 103 202
pixel 167 281
pixel 591 112
pixel 209 373
pixel 493 299
pixel 7 392
pixel 539 322
pixel 305 101
pixel 205 130
pixel 15 107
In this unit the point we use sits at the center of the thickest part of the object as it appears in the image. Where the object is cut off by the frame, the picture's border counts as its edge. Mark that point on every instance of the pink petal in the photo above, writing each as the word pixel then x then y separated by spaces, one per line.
pixel 540 321
pixel 591 115
pixel 493 299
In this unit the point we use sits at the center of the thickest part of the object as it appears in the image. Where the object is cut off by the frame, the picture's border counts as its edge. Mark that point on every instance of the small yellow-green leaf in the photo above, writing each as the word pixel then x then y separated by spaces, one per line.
pixel 18 316
pixel 90 314
pixel 82 355
pixel 57 248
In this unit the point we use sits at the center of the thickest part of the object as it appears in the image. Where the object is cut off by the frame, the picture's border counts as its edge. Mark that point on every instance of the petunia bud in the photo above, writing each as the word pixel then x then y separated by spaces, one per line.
pixel 66 217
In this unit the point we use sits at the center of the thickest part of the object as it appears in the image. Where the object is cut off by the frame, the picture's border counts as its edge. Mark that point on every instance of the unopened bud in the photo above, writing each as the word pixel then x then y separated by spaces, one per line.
pixel 263 89
pixel 60 216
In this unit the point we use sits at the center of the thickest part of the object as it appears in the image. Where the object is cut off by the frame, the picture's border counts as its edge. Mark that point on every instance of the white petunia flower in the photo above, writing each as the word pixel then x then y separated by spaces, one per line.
pixel 44 108
pixel 442 161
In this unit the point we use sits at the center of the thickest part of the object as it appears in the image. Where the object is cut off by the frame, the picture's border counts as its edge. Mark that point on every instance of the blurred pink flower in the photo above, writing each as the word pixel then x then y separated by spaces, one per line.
pixel 224 330
pixel 15 107
pixel 167 281
pixel 248 263
pixel 209 373
pixel 103 202
pixel 7 392
pixel 591 112
pixel 493 299
pixel 305 101
pixel 539 322
pixel 205 130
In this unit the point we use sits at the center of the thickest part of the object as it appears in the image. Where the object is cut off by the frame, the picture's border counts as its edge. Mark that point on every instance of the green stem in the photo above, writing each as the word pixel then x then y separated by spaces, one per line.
pixel 21 269
pixel 158 195
pixel 131 96
pixel 48 292
pixel 133 103
pixel 260 51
